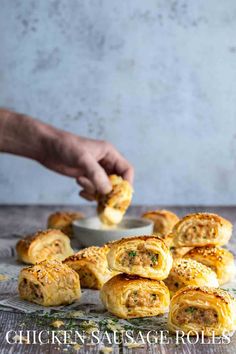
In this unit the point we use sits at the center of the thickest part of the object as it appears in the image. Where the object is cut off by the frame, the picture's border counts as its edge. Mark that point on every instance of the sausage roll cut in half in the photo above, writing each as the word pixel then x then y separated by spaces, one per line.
pixel 91 265
pixel 130 296
pixel 164 221
pixel 202 309
pixel 201 229
pixel 62 220
pixel 49 283
pixel 112 206
pixel 47 244
pixel 218 259
pixel 189 272
pixel 146 256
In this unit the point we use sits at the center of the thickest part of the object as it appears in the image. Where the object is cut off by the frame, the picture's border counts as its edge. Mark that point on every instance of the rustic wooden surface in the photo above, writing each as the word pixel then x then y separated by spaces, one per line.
pixel 16 221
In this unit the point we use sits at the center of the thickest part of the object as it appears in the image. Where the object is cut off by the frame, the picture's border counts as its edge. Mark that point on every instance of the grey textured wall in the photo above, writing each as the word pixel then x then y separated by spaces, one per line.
pixel 156 78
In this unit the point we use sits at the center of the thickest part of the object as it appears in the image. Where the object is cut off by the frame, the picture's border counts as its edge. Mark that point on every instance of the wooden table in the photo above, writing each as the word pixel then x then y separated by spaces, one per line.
pixel 16 221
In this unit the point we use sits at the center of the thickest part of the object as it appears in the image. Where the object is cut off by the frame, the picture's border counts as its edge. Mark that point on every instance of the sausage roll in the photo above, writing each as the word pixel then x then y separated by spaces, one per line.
pixel 62 220
pixel 128 296
pixel 47 244
pixel 112 206
pixel 220 260
pixel 146 256
pixel 91 265
pixel 49 283
pixel 201 229
pixel 196 309
pixel 164 221
pixel 189 272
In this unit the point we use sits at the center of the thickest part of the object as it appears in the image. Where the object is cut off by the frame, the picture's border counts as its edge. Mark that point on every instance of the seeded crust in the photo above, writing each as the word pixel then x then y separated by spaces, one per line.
pixel 223 295
pixel 93 254
pixel 220 236
pixel 138 238
pixel 208 251
pixel 189 269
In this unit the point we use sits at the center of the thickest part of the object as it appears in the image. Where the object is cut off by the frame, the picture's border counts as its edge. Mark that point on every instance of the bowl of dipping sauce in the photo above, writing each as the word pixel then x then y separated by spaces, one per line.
pixel 91 232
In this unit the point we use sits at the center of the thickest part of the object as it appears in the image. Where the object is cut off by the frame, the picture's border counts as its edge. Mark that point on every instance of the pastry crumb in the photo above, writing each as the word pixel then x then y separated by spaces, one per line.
pixel 57 324
pixel 105 350
pixel 3 277
pixel 77 346
pixel 134 345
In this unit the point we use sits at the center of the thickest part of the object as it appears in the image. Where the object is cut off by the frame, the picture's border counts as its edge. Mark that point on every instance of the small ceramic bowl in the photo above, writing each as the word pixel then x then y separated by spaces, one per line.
pixel 91 232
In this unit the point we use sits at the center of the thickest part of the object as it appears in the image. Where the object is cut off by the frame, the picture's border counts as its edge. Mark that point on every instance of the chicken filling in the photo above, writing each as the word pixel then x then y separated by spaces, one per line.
pixel 141 256
pixel 201 231
pixel 141 298
pixel 200 316
pixel 56 247
pixel 30 290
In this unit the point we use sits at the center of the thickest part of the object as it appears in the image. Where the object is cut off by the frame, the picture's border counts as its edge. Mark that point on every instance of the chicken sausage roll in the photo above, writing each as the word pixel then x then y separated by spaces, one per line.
pixel 201 229
pixel 146 256
pixel 129 296
pixel 47 244
pixel 112 206
pixel 220 260
pixel 189 272
pixel 196 309
pixel 49 283
pixel 91 265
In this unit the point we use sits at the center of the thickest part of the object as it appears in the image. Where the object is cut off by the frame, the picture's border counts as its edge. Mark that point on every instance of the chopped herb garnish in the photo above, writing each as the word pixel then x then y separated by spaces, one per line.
pixel 154 259
pixel 132 254
pixel 190 309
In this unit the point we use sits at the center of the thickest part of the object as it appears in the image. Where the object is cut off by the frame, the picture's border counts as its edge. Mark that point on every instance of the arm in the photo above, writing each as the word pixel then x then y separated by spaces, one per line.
pixel 89 161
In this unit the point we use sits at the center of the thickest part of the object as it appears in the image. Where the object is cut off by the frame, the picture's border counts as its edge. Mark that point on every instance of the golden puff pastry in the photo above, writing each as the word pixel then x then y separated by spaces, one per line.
pixel 220 260
pixel 112 206
pixel 47 244
pixel 164 221
pixel 62 220
pixel 179 252
pixel 202 309
pixel 201 229
pixel 91 265
pixel 189 272
pixel 49 283
pixel 146 256
pixel 128 296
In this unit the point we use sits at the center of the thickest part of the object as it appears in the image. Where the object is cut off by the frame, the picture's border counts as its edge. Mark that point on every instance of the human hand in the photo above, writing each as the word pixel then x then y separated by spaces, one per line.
pixel 89 161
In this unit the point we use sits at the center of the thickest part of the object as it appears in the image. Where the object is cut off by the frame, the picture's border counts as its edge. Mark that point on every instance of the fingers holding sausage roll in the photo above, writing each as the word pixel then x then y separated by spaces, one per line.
pixel 112 206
